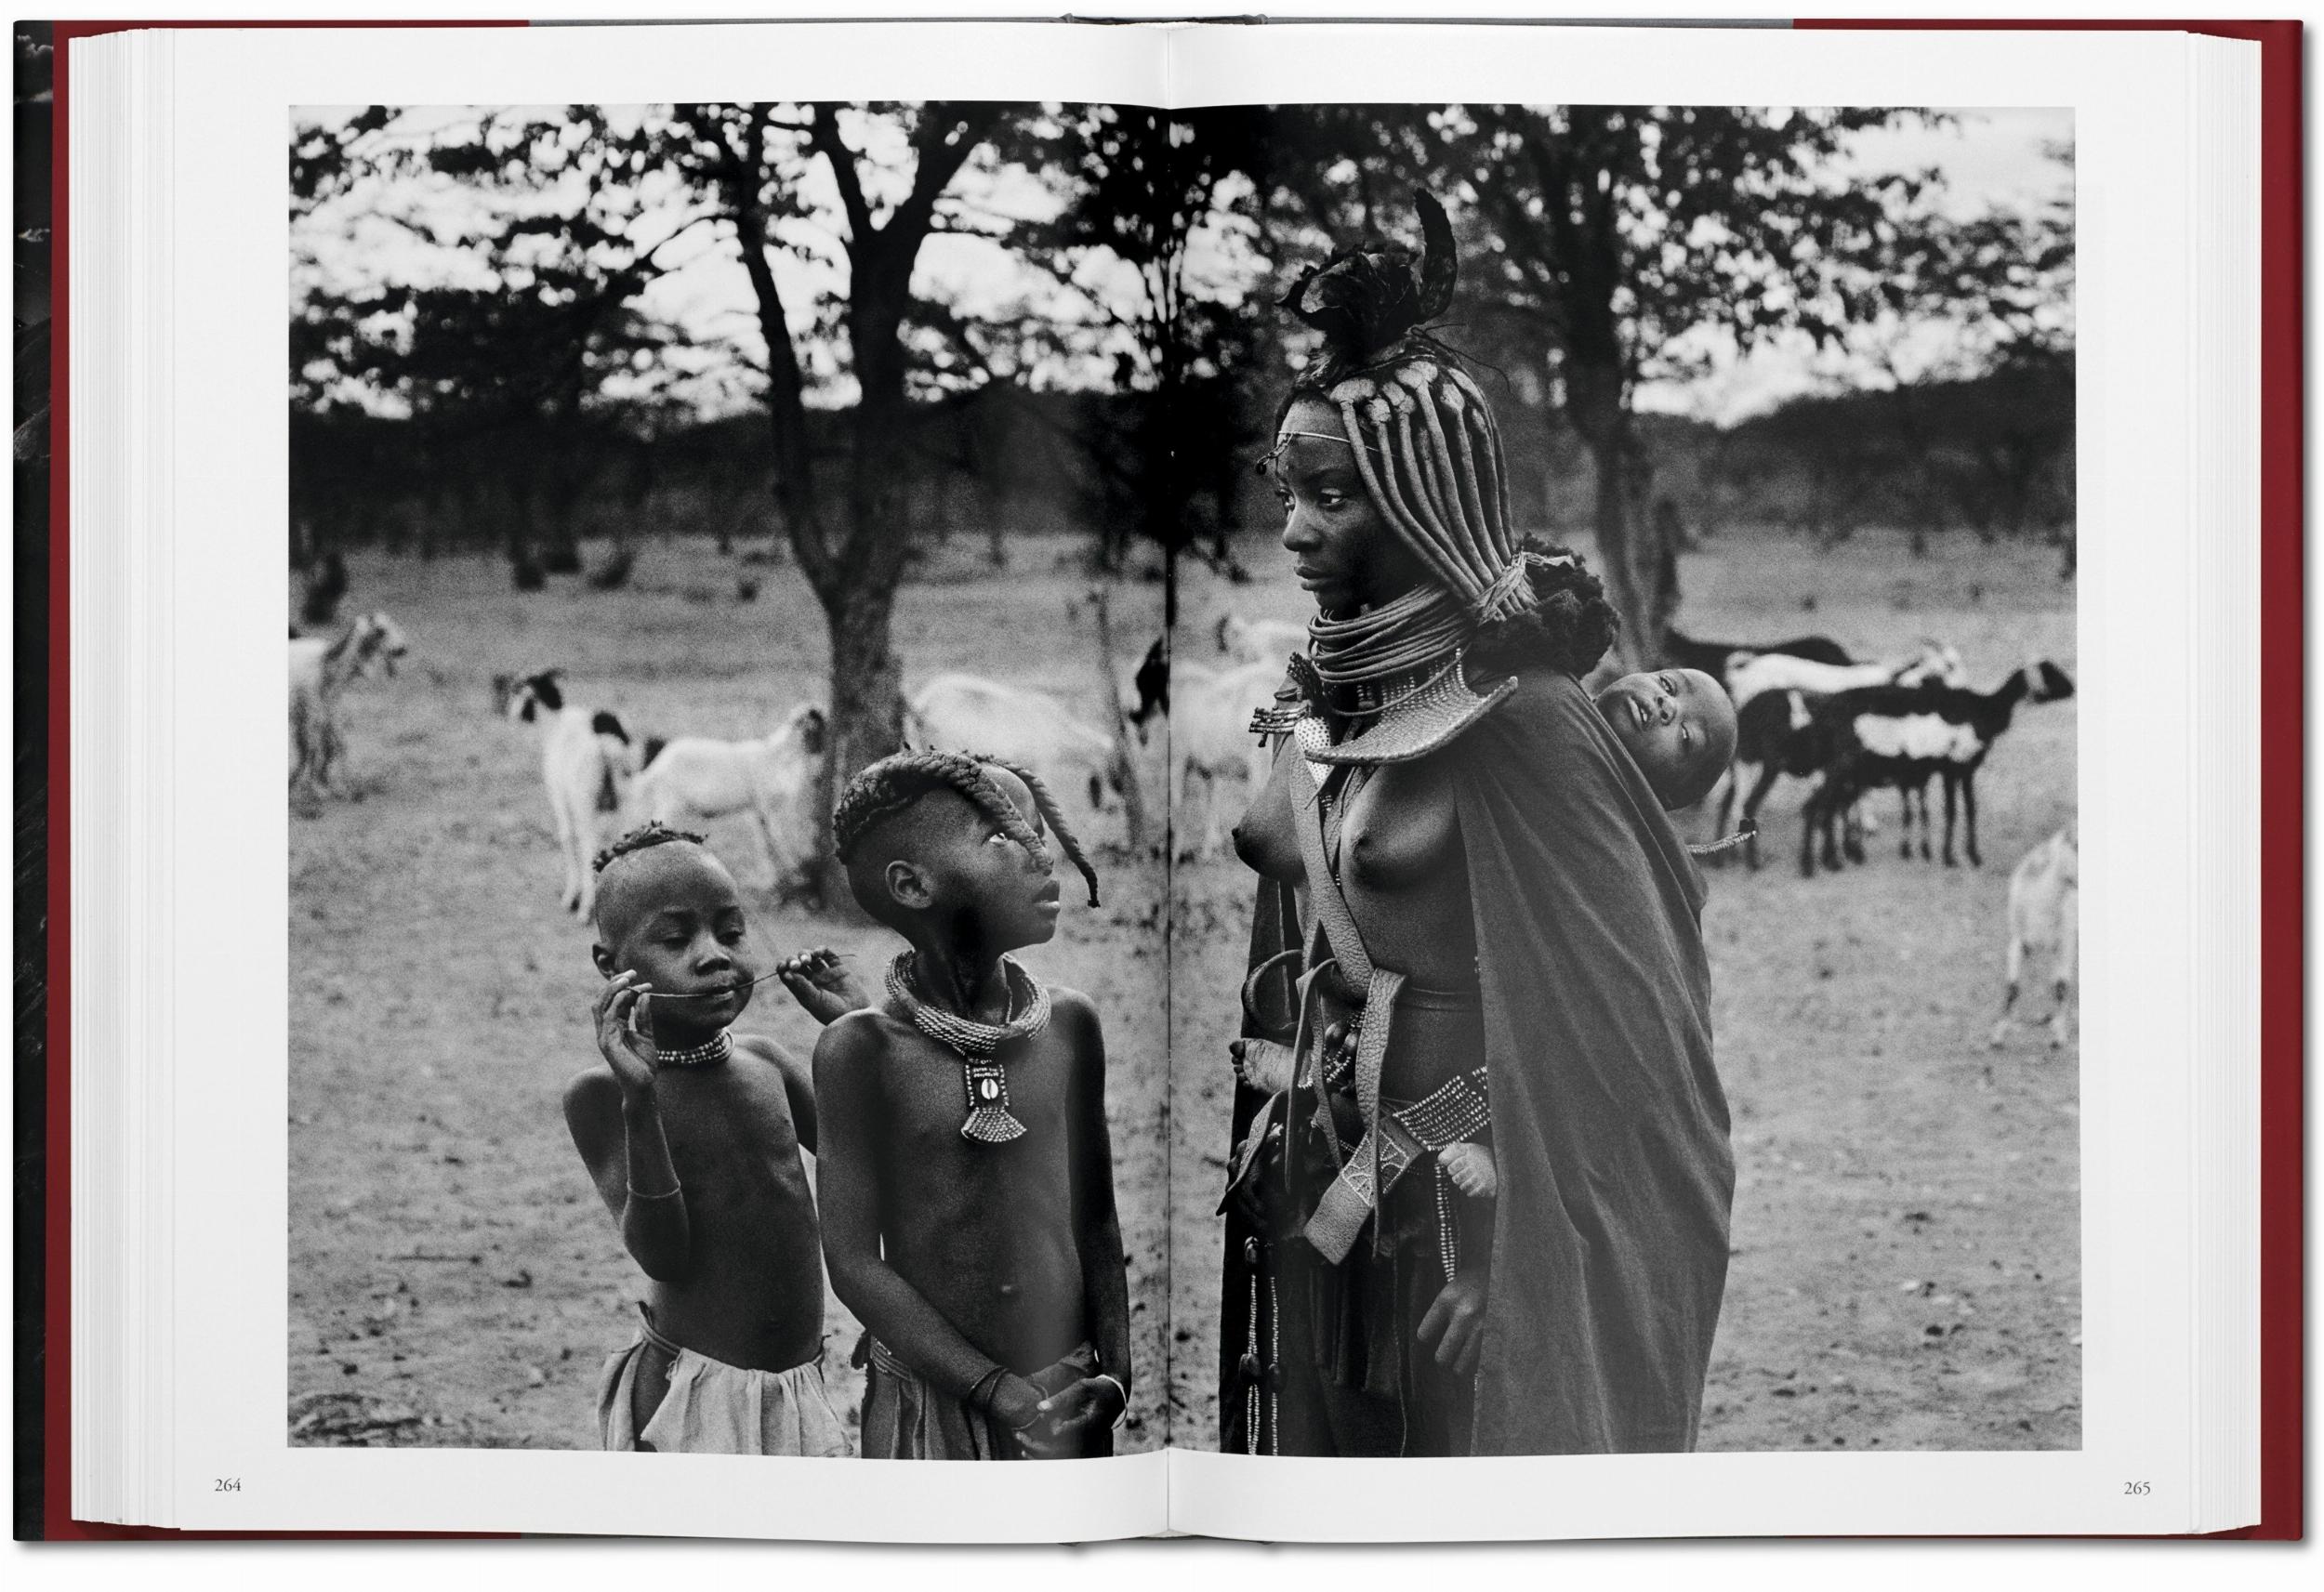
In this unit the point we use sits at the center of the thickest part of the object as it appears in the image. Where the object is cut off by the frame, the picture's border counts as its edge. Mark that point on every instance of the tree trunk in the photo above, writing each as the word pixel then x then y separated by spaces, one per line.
pixel 858 589
pixel 1640 574
pixel 866 720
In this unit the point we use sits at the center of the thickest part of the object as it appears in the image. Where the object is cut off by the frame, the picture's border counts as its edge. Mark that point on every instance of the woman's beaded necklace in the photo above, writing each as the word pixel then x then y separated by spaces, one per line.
pixel 981 1071
pixel 1415 633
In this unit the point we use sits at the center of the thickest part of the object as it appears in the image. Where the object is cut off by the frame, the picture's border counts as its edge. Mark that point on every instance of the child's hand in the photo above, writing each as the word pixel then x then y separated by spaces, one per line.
pixel 1067 1418
pixel 1470 1168
pixel 1015 1402
pixel 625 1033
pixel 819 983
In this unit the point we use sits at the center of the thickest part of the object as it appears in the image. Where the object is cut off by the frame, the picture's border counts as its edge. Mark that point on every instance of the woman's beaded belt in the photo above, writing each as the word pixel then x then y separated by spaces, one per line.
pixel 1457 1111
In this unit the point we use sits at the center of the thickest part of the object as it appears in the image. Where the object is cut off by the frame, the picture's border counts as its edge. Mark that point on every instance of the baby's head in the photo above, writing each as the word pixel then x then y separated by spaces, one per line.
pixel 669 911
pixel 942 840
pixel 1678 727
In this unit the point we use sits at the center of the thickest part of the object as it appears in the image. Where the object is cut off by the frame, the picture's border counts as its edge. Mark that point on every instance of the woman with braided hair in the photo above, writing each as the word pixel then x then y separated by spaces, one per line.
pixel 1481 1177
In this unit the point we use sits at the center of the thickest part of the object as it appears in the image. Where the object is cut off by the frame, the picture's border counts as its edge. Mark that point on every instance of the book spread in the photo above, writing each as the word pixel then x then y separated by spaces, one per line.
pixel 1192 751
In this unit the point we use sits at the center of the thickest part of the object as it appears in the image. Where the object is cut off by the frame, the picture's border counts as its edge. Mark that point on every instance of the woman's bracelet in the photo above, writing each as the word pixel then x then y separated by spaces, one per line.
pixel 638 1193
pixel 1123 1414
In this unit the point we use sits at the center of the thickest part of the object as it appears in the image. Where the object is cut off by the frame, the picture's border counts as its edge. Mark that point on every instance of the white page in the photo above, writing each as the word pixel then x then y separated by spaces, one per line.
pixel 2128 97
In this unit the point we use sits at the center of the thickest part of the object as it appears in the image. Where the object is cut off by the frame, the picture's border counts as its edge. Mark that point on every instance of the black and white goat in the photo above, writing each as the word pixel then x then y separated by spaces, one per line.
pixel 1750 673
pixel 320 670
pixel 1773 732
pixel 2044 917
pixel 1902 736
pixel 586 760
pixel 1773 725
pixel 1683 652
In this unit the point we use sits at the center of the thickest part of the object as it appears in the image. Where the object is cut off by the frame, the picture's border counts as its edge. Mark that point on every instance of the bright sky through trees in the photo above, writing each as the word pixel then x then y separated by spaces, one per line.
pixel 410 230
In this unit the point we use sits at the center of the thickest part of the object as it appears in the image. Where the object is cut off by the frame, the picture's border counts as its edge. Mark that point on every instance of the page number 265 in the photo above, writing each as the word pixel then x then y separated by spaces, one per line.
pixel 2137 1489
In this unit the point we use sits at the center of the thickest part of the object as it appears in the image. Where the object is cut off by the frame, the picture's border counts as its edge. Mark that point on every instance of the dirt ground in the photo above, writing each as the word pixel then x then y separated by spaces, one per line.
pixel 1906 1267
pixel 1907 1255
pixel 454 1280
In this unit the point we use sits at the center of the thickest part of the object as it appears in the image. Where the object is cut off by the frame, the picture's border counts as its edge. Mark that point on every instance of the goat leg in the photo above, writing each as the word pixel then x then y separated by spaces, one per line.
pixel 1768 773
pixel 2009 992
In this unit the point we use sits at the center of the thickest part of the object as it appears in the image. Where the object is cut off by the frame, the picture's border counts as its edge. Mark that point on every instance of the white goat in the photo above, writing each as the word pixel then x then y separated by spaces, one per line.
pixel 318 671
pixel 586 757
pixel 2044 915
pixel 1210 738
pixel 1752 673
pixel 1260 640
pixel 966 712
pixel 693 780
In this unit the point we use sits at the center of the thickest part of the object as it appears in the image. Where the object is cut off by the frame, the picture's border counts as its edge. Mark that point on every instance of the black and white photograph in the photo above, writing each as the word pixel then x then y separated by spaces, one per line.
pixel 1004 779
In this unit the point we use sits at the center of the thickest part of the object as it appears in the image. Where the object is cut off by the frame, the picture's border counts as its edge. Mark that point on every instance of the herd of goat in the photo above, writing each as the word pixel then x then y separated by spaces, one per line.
pixel 1805 709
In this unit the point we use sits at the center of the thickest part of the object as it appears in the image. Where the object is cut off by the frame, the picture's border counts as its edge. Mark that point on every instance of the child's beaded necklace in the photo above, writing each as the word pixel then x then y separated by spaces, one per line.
pixel 987 1079
pixel 712 1052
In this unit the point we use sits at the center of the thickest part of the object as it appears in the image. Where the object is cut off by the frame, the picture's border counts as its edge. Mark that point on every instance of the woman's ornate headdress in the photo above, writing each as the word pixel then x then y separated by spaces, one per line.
pixel 1424 436
pixel 1430 455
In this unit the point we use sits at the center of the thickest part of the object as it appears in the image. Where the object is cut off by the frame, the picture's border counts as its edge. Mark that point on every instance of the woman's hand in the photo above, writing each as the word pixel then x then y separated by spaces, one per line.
pixel 1254 1169
pixel 625 1033
pixel 822 985
pixel 1455 1324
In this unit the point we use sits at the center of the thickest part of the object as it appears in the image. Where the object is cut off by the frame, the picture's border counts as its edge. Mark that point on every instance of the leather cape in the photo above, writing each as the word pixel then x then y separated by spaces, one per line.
pixel 1609 1125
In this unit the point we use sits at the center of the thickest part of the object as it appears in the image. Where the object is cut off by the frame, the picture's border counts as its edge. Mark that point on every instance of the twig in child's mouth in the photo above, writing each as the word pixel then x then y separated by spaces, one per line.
pixel 728 990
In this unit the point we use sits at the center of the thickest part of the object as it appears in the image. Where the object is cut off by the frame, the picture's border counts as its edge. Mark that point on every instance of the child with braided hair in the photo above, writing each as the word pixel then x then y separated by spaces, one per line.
pixel 693 1135
pixel 965 1176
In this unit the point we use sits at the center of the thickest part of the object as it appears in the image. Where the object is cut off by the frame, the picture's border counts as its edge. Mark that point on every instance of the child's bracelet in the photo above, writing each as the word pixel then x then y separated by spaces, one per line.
pixel 980 1392
pixel 638 1193
pixel 1123 1414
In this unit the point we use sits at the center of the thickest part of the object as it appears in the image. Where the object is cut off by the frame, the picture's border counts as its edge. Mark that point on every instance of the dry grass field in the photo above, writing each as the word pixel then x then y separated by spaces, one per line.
pixel 1905 1272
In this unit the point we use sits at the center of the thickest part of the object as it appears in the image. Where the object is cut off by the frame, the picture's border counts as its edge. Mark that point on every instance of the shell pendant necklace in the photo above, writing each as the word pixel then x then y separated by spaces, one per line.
pixel 983 1074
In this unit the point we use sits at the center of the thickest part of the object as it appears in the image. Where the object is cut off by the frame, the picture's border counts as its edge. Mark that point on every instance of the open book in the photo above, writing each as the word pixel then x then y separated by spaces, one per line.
pixel 1461 529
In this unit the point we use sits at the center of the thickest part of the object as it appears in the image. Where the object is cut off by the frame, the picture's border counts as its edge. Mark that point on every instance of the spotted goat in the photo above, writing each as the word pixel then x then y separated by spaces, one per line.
pixel 1900 737
pixel 587 760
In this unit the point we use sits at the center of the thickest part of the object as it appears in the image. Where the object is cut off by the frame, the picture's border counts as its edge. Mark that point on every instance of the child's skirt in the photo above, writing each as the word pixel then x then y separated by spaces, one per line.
pixel 715 1408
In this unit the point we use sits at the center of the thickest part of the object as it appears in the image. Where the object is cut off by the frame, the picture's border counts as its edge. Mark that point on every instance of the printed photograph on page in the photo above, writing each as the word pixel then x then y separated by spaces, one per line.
pixel 1623 991
pixel 729 767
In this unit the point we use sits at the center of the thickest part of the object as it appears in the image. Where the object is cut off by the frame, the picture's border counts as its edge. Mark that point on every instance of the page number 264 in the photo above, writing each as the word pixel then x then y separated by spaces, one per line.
pixel 228 1484
pixel 2137 1489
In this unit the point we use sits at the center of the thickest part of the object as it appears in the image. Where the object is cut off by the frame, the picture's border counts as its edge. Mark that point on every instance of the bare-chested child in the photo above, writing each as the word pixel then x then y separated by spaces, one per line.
pixel 966 1178
pixel 693 1135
